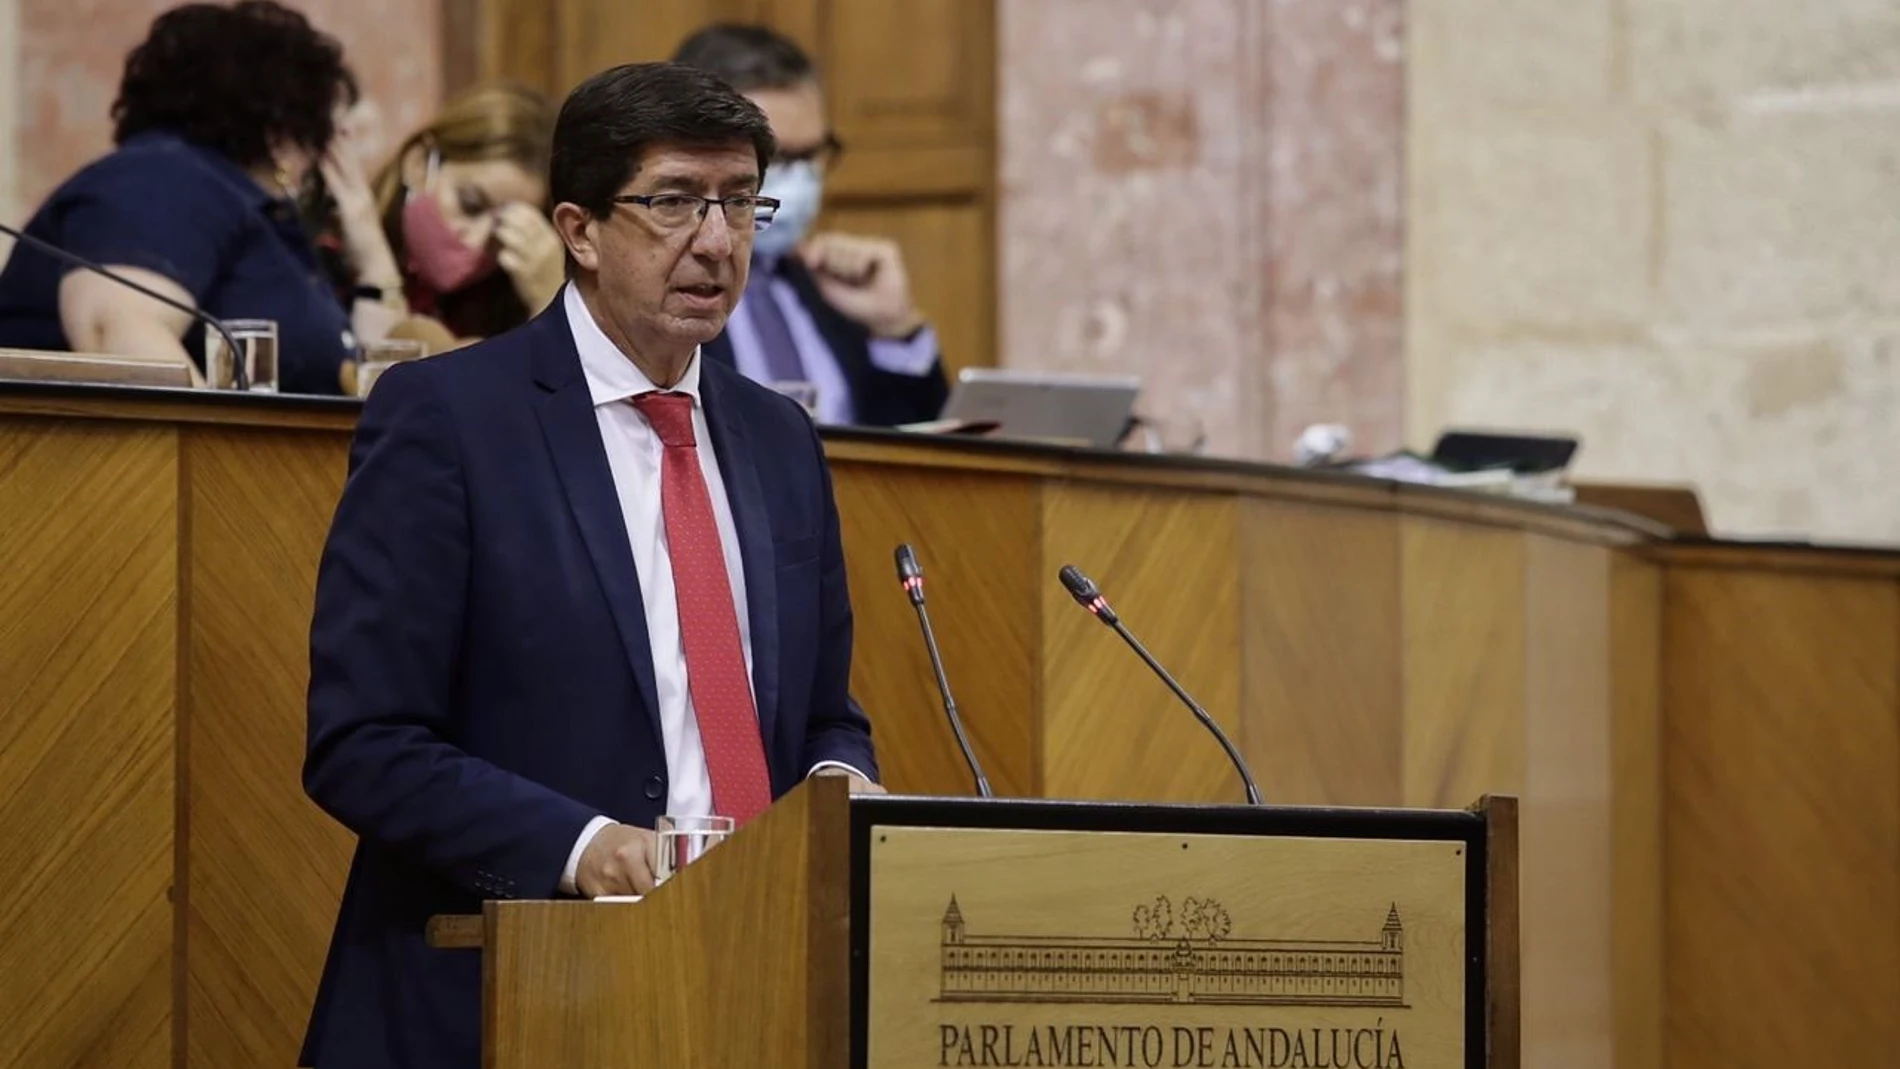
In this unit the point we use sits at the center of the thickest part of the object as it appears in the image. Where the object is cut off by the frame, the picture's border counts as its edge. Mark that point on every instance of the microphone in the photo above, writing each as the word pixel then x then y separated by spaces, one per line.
pixel 911 575
pixel 1084 591
pixel 241 376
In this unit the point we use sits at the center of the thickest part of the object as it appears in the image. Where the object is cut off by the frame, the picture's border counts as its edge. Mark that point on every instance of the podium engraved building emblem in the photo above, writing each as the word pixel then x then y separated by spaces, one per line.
pixel 1184 956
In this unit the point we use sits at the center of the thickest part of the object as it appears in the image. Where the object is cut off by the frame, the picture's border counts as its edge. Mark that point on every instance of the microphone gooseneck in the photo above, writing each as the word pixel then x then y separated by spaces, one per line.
pixel 1086 594
pixel 241 376
pixel 911 575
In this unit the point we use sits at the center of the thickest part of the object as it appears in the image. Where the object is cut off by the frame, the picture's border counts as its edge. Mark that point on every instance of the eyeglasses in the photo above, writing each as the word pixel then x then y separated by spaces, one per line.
pixel 677 210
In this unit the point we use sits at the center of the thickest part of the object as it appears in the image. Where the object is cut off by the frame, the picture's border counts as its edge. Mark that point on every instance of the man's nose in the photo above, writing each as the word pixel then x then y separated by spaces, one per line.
pixel 714 237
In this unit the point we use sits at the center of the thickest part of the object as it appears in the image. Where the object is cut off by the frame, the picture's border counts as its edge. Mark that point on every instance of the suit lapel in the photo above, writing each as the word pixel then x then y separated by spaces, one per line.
pixel 568 423
pixel 754 524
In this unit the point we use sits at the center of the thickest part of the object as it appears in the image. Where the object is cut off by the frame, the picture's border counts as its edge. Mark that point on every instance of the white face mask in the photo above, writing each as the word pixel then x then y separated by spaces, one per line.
pixel 800 192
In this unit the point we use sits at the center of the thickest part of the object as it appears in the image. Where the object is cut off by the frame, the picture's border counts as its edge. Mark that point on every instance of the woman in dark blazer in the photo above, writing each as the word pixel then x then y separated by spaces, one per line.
pixel 221 112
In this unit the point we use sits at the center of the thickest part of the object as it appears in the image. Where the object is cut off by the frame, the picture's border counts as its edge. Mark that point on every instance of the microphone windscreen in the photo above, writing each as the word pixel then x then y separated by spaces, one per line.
pixel 1078 585
pixel 907 566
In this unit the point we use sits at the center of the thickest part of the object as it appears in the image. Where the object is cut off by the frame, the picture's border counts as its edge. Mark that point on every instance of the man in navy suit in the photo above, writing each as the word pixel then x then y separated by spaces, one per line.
pixel 830 309
pixel 579 577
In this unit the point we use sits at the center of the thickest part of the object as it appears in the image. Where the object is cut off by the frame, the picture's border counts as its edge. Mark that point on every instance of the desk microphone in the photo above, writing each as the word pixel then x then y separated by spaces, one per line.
pixel 241 376
pixel 1083 590
pixel 911 575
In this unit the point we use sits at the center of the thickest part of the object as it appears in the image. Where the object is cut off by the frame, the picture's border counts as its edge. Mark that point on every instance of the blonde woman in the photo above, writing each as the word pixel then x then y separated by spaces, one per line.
pixel 454 228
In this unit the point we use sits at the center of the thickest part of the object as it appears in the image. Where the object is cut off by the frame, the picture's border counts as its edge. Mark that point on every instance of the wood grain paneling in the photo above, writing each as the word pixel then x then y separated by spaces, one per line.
pixel 915 73
pixel 1636 879
pixel 596 35
pixel 741 959
pixel 1782 820
pixel 1111 730
pixel 911 92
pixel 1565 820
pixel 266 866
pixel 88 617
pixel 1504 989
pixel 913 96
pixel 1462 654
pixel 975 536
pixel 1320 661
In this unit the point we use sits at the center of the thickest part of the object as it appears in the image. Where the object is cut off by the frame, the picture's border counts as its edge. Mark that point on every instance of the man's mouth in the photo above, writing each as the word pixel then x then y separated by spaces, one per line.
pixel 705 291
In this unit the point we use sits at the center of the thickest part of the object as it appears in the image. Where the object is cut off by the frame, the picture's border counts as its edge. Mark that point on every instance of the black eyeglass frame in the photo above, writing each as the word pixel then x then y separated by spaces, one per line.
pixel 764 208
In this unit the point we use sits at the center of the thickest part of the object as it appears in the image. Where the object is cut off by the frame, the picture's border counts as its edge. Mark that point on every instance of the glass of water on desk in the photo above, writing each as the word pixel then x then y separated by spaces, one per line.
pixel 257 348
pixel 380 356
pixel 684 840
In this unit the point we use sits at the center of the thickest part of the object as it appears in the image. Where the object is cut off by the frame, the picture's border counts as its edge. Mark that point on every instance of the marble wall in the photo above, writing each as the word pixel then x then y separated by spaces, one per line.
pixel 9 113
pixel 1208 193
pixel 60 62
pixel 1670 226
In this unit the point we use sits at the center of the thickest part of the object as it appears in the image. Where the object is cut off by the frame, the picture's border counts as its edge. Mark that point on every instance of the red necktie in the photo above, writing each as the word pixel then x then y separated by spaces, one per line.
pixel 709 627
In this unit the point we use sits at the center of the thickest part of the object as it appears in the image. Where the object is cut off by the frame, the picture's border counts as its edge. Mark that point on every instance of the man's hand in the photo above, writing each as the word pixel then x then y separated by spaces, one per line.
pixel 618 861
pixel 864 278
pixel 858 784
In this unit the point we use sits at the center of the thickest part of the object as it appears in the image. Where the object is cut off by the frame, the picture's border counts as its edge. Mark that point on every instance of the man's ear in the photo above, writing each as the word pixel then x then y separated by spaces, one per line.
pixel 578 229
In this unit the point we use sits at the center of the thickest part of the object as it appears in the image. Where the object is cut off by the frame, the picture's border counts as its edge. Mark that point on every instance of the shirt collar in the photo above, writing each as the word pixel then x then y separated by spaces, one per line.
pixel 611 377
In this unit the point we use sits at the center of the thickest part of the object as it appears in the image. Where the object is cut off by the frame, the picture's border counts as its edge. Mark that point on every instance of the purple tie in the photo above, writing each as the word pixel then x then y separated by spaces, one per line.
pixel 782 362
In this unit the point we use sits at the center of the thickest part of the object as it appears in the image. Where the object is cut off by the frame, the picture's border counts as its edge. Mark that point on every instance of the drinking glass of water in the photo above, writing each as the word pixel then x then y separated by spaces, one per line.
pixel 684 840
pixel 257 347
pixel 380 356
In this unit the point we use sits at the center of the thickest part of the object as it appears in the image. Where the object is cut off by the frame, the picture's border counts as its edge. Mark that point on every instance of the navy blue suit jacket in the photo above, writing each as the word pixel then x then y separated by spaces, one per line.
pixel 481 683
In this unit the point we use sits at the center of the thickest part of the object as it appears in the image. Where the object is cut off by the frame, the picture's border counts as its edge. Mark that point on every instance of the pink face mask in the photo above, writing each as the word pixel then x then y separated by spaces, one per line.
pixel 435 254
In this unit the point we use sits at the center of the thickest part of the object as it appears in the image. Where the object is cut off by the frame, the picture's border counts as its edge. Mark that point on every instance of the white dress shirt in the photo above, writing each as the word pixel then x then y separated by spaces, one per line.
pixel 914 357
pixel 633 455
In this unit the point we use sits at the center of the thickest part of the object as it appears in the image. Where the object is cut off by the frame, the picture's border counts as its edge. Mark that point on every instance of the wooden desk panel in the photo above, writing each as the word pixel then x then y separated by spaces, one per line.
pixel 88 618
pixel 975 535
pixel 266 867
pixel 1461 609
pixel 1165 559
pixel 1566 817
pixel 1636 811
pixel 1370 644
pixel 1782 818
pixel 1322 683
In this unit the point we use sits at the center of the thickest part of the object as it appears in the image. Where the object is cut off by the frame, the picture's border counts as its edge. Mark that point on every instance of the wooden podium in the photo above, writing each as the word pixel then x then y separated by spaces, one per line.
pixel 887 932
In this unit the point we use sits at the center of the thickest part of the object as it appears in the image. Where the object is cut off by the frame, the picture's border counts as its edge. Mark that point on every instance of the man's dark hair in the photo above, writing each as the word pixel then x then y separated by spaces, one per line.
pixel 747 57
pixel 609 122
pixel 234 79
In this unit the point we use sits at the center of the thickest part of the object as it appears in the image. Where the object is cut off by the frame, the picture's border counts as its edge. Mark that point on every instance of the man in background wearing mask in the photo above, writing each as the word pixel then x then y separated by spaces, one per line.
pixel 831 310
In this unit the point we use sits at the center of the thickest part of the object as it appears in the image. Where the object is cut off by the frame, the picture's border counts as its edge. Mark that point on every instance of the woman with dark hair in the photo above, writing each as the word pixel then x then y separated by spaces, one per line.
pixel 222 111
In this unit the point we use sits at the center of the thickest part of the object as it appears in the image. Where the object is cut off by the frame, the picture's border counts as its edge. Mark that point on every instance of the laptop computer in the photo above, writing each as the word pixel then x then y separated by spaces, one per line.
pixel 1071 408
